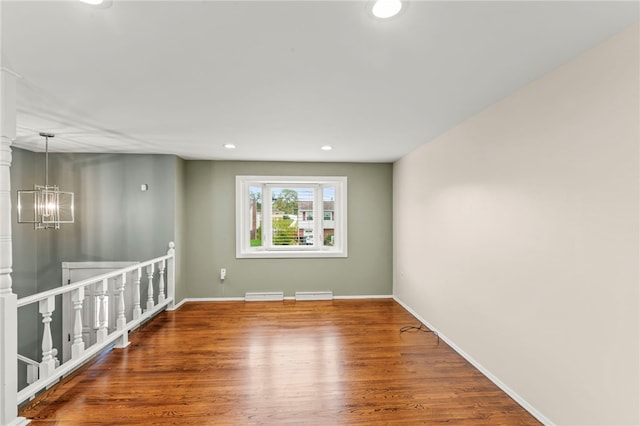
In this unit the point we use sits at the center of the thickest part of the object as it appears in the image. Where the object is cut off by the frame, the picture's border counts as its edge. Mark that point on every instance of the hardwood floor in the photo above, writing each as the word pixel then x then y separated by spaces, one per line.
pixel 340 362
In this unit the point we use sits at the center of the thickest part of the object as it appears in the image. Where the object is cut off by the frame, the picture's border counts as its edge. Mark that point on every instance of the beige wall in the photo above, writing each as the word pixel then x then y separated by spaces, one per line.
pixel 516 236
pixel 211 238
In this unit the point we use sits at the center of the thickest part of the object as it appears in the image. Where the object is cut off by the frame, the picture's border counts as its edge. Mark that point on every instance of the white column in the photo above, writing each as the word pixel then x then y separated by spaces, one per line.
pixel 48 364
pixel 77 349
pixel 137 311
pixel 171 276
pixel 150 303
pixel 8 300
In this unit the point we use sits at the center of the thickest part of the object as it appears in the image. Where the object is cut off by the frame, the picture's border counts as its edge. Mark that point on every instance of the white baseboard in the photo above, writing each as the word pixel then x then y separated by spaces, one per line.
pixel 209 299
pixel 241 299
pixel 506 389
pixel 369 296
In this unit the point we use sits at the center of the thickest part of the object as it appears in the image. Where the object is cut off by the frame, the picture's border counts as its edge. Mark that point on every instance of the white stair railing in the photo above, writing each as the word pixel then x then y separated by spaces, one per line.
pixel 49 370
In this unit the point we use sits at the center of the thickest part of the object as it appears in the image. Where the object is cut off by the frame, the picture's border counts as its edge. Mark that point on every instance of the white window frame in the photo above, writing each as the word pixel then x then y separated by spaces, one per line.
pixel 243 219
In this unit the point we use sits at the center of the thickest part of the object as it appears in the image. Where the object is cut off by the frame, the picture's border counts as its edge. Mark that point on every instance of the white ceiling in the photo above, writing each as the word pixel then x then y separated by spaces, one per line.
pixel 279 79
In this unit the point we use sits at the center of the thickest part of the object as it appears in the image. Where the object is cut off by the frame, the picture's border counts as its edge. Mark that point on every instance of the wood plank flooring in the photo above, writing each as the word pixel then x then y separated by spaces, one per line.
pixel 341 362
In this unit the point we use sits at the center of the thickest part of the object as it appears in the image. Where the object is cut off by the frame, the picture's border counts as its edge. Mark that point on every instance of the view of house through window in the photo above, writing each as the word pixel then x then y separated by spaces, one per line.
pixel 255 206
pixel 293 216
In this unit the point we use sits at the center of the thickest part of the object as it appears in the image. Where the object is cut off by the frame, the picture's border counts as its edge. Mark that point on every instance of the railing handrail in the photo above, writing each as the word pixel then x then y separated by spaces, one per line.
pixel 27 360
pixel 27 300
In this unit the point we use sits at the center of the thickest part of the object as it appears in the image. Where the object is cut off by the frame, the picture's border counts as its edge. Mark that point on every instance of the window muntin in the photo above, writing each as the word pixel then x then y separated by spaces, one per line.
pixel 276 216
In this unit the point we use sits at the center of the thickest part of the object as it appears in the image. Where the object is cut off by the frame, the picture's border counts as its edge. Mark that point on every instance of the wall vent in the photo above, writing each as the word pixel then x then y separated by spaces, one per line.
pixel 266 296
pixel 314 295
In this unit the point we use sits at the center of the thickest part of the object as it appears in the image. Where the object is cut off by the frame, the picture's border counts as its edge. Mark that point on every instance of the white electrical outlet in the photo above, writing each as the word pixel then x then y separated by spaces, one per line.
pixel 223 273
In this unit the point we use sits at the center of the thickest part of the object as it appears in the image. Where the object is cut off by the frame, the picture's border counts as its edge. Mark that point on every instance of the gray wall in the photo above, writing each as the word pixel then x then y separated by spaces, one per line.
pixel 211 217
pixel 115 221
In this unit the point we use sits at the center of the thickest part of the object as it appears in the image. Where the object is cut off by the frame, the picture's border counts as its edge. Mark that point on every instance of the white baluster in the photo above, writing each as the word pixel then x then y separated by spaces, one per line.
pixel 161 282
pixel 77 298
pixel 101 289
pixel 137 311
pixel 48 364
pixel 54 354
pixel 32 374
pixel 121 321
pixel 150 303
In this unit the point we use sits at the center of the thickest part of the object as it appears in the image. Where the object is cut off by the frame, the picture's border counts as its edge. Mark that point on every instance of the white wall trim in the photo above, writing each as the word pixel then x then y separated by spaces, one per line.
pixel 506 389
pixel 209 299
pixel 365 296
pixel 241 299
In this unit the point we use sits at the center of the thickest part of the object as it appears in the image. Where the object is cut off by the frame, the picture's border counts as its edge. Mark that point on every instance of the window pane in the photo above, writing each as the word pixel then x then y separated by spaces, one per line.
pixel 305 216
pixel 255 216
pixel 328 207
pixel 291 216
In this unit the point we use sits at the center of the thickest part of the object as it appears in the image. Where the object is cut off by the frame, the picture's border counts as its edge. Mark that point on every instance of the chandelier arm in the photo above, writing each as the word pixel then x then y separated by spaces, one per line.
pixel 46 161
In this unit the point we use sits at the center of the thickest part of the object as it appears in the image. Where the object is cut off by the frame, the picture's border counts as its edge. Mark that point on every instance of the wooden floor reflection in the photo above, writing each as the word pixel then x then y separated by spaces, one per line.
pixel 340 362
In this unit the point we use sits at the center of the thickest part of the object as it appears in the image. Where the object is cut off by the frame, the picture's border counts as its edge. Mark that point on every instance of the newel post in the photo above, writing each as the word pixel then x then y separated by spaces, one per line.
pixel 171 276
pixel 8 300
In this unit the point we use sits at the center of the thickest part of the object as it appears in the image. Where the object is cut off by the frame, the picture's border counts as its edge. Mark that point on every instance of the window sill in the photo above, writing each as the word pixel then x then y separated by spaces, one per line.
pixel 288 254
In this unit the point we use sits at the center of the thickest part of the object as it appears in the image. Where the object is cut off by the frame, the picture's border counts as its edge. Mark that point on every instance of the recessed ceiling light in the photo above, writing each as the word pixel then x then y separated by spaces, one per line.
pixel 92 2
pixel 386 8
pixel 326 148
pixel 229 146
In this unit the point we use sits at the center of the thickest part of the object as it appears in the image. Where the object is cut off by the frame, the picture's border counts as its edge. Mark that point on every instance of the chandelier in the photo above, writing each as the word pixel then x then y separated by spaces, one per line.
pixel 45 206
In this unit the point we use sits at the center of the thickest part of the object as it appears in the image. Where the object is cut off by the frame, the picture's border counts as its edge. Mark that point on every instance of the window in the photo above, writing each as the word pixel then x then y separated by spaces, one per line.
pixel 278 216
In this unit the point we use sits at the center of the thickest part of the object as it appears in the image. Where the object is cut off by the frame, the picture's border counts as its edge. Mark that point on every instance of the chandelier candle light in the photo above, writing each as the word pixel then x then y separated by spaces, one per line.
pixel 45 206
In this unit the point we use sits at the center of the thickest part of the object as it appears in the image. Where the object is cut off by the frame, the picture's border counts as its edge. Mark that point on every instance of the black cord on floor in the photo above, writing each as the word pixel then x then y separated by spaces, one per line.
pixel 422 328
